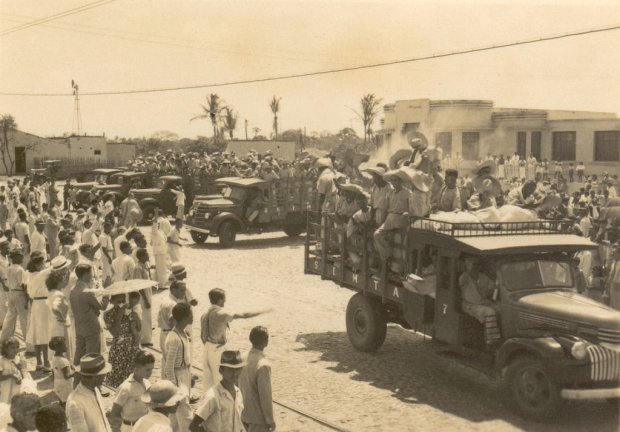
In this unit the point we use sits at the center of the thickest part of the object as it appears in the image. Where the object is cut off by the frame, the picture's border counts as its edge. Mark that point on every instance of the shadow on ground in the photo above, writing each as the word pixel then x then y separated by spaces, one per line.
pixel 249 242
pixel 409 367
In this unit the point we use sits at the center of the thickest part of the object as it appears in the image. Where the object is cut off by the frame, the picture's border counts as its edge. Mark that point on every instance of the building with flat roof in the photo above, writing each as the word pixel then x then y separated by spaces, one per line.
pixel 472 129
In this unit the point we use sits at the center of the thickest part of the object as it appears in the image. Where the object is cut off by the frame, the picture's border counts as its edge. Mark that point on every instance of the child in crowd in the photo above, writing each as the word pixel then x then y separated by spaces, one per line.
pixel 63 371
pixel 128 407
pixel 51 418
pixel 13 370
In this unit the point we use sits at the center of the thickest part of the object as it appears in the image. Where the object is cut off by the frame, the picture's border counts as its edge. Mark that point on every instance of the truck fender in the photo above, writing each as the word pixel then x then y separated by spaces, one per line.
pixel 118 196
pixel 148 201
pixel 542 348
pixel 222 217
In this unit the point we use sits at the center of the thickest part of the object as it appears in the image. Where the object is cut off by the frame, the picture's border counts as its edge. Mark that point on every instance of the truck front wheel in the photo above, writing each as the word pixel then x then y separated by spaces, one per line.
pixel 294 224
pixel 198 237
pixel 366 323
pixel 227 234
pixel 530 390
pixel 148 214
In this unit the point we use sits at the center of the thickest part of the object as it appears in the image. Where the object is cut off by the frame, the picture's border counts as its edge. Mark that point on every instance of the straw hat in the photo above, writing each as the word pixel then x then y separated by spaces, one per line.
pixel 324 163
pixel 353 188
pixel 375 170
pixel 399 173
pixel 399 157
pixel 486 164
pixel 418 179
pixel 487 183
pixel 163 394
pixel 232 360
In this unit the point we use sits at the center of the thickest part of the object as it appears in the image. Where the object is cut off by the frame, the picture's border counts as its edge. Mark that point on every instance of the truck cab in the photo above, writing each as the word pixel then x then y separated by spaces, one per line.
pixel 250 205
pixel 159 196
pixel 97 177
pixel 554 344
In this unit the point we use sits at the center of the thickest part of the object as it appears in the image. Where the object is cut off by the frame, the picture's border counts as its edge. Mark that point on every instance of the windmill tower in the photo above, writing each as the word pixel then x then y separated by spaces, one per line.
pixel 77 115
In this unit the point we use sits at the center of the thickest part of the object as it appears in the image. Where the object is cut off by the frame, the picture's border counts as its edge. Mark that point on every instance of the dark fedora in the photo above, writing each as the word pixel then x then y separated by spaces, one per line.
pixel 232 359
pixel 93 364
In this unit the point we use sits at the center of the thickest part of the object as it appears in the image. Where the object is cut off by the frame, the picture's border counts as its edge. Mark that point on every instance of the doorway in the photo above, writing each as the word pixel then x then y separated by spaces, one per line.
pixel 20 160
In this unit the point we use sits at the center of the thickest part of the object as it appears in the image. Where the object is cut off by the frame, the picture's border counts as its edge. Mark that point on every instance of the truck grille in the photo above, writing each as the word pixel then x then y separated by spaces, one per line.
pixel 605 364
pixel 609 336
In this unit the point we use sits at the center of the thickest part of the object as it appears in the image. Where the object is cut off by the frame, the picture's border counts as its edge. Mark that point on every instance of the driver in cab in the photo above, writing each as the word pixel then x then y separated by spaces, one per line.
pixel 476 293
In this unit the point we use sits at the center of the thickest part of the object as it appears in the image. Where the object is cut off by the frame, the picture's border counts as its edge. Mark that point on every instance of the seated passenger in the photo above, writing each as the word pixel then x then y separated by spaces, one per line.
pixel 476 291
pixel 448 197
pixel 357 225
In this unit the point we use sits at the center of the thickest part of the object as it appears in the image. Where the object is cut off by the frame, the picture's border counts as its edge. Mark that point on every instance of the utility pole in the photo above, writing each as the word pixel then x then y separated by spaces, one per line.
pixel 246 129
pixel 77 116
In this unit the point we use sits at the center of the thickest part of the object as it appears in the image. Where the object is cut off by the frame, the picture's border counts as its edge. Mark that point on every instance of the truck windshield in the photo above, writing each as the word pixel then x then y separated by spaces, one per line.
pixel 536 274
pixel 233 193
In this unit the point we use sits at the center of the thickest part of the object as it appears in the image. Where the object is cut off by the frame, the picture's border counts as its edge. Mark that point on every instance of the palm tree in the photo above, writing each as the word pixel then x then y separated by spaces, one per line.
pixel 230 121
pixel 7 127
pixel 212 111
pixel 274 104
pixel 370 105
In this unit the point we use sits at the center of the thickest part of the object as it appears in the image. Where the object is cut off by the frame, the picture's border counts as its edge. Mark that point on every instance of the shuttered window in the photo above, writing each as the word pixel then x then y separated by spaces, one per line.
pixel 607 146
pixel 470 145
pixel 443 140
pixel 564 146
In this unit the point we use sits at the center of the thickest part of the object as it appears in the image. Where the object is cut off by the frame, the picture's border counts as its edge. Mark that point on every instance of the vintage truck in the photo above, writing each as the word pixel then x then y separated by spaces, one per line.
pixel 279 205
pixel 116 184
pixel 555 343
pixel 159 196
pixel 98 176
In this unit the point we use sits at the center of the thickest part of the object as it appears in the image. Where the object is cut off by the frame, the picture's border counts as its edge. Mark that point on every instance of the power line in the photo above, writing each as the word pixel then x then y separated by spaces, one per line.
pixel 331 71
pixel 59 15
pixel 117 35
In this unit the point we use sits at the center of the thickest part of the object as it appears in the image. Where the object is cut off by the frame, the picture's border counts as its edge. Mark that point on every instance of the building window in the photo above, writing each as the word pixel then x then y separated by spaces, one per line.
pixel 470 145
pixel 564 145
pixel 607 146
pixel 97 152
pixel 536 139
pixel 443 140
pixel 521 144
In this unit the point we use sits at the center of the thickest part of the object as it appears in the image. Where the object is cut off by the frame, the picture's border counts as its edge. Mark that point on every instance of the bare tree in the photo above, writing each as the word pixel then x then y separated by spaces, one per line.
pixel 230 121
pixel 7 127
pixel 370 108
pixel 212 111
pixel 274 104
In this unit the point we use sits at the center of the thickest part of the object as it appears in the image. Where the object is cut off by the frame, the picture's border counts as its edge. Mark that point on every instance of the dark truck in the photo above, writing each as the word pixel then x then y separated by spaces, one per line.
pixel 97 177
pixel 117 184
pixel 555 343
pixel 159 196
pixel 280 204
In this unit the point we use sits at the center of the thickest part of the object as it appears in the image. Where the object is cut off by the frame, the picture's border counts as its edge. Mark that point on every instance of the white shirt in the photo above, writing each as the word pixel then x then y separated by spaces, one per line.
pixel 123 267
pixel 220 412
pixel 153 422
pixel 38 243
pixel 180 195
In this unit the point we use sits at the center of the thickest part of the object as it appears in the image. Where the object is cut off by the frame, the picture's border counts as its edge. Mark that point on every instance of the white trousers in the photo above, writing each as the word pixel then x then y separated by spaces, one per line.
pixel 161 269
pixel 211 365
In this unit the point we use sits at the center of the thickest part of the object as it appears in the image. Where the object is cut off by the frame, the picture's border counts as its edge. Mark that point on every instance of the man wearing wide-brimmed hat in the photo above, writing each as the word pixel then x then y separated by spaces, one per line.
pixel 163 398
pixel 223 404
pixel 398 210
pixel 85 409
pixel 378 194
pixel 325 182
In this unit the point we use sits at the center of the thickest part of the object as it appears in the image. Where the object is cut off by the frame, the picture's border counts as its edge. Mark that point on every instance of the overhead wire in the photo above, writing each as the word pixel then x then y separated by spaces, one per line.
pixel 56 16
pixel 333 71
pixel 170 40
pixel 197 45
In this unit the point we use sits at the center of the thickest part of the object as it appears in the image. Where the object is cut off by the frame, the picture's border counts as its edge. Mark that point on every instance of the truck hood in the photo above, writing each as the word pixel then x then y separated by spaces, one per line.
pixel 569 311
pixel 85 185
pixel 108 187
pixel 218 203
pixel 149 191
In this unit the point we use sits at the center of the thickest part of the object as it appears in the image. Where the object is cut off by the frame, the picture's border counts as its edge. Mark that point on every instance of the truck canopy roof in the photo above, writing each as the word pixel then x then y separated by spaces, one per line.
pixel 129 173
pixel 106 170
pixel 170 178
pixel 241 182
pixel 499 238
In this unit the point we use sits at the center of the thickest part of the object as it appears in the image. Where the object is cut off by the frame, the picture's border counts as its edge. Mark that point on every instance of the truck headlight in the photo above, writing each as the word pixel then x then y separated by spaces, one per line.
pixel 207 215
pixel 191 213
pixel 579 350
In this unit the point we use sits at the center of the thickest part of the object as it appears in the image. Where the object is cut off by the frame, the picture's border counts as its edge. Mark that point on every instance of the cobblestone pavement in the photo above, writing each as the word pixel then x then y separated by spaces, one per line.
pixel 405 386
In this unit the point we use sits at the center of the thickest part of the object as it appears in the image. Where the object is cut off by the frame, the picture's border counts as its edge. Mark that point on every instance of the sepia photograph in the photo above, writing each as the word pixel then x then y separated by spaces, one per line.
pixel 309 215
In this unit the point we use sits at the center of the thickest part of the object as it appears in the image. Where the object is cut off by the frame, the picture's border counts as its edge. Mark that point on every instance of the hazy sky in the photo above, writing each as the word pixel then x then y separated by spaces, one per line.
pixel 137 44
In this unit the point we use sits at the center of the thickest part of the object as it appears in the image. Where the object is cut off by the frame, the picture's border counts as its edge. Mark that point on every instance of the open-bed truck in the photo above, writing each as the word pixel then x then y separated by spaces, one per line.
pixel 555 343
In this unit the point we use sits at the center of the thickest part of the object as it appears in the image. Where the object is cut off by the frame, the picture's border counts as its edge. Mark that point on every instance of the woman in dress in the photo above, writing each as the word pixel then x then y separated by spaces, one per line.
pixel 51 230
pixel 124 325
pixel 58 304
pixel 38 327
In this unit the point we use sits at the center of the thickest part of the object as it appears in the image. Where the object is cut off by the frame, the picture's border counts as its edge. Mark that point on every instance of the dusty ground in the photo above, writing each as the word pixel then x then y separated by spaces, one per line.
pixel 405 386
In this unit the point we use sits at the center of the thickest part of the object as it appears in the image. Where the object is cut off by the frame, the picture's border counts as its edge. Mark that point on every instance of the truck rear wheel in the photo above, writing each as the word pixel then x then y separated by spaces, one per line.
pixel 198 237
pixel 227 234
pixel 366 323
pixel 294 225
pixel 530 390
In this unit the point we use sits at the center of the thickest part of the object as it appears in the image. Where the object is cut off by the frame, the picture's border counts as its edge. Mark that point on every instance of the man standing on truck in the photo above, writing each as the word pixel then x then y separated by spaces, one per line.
pixel 449 198
pixel 476 292
pixel 397 212
pixel 325 182
pixel 378 194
